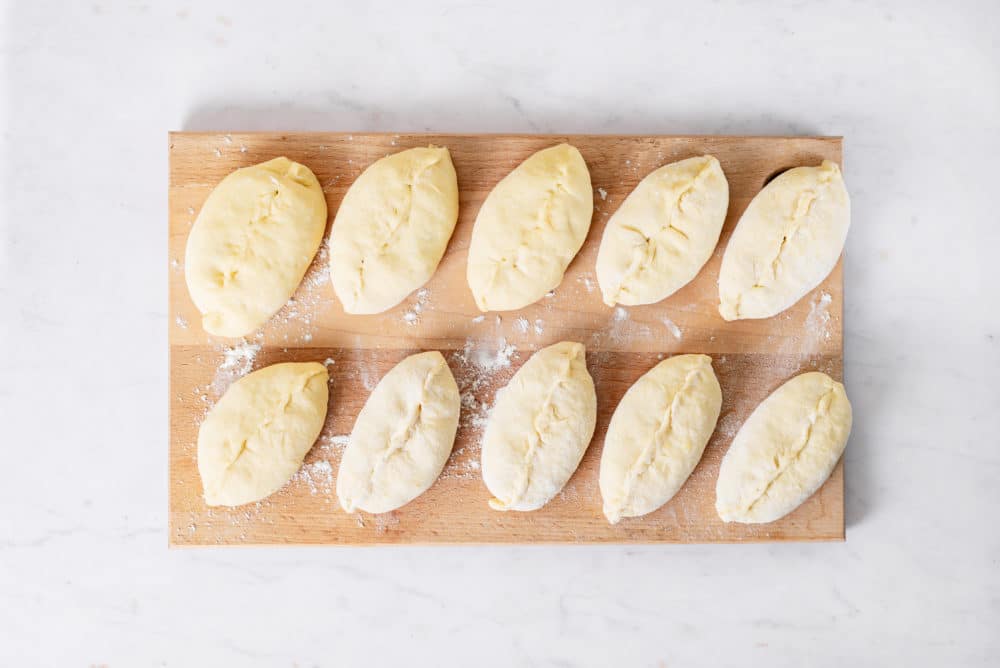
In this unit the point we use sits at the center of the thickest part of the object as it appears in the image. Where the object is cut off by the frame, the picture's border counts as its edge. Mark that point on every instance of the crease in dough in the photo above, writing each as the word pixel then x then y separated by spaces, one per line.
pixel 787 241
pixel 539 429
pixel 663 233
pixel 785 450
pixel 252 243
pixel 545 418
pixel 402 437
pixel 529 229
pixel 392 229
pixel 657 435
pixel 255 438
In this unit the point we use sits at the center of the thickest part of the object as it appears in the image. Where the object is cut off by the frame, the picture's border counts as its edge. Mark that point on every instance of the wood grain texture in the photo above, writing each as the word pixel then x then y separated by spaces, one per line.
pixel 751 358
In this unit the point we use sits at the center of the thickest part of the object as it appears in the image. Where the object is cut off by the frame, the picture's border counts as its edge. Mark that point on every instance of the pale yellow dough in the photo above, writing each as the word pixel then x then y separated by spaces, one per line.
pixel 402 437
pixel 539 428
pixel 663 233
pixel 251 244
pixel 255 438
pixel 657 435
pixel 785 450
pixel 529 229
pixel 787 241
pixel 392 229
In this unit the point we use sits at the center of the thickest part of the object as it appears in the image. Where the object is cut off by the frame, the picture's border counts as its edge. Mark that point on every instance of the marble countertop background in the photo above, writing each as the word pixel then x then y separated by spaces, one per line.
pixel 89 91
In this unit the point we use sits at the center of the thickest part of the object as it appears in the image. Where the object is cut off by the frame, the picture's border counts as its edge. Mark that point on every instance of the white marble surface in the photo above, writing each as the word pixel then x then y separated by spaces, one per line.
pixel 89 90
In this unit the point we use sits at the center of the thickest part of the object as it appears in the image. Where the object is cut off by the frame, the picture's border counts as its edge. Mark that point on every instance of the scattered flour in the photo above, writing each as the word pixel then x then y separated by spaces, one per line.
pixel 522 325
pixel 412 315
pixel 484 359
pixel 672 328
pixel 728 425
pixel 819 317
pixel 793 353
pixel 236 363
pixel 181 322
pixel 334 442
pixel 479 368
pixel 318 476
pixel 603 193
pixel 301 310
pixel 365 376
pixel 475 414
pixel 478 319
pixel 539 326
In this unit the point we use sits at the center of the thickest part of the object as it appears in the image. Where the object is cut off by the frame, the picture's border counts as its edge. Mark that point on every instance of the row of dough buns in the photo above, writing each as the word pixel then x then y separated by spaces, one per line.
pixel 256 437
pixel 260 228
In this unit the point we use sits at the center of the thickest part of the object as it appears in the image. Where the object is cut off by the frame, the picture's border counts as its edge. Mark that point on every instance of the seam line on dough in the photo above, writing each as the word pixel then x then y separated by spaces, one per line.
pixel 821 410
pixel 652 450
pixel 403 222
pixel 538 439
pixel 641 259
pixel 543 218
pixel 795 219
pixel 398 442
pixel 272 416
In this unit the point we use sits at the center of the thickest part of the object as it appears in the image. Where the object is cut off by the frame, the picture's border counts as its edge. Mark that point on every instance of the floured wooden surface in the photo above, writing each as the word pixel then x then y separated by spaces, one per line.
pixel 751 358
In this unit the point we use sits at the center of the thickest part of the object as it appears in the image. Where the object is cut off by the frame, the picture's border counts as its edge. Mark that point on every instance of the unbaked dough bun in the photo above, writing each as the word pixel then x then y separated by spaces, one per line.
pixel 402 437
pixel 657 435
pixel 529 229
pixel 785 450
pixel 539 428
pixel 392 229
pixel 252 242
pixel 255 438
pixel 787 241
pixel 663 233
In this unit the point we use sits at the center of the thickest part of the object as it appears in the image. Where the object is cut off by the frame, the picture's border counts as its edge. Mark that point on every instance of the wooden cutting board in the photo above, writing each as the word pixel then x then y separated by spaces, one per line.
pixel 751 358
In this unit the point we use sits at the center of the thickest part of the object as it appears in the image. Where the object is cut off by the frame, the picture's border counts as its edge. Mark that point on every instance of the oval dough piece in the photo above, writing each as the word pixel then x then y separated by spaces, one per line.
pixel 251 244
pixel 392 229
pixel 663 233
pixel 256 437
pixel 787 241
pixel 402 437
pixel 539 428
pixel 529 229
pixel 657 435
pixel 785 450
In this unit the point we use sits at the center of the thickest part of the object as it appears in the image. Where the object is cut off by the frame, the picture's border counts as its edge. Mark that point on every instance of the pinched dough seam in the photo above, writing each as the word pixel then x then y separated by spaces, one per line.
pixel 543 219
pixel 804 201
pixel 821 410
pixel 653 449
pixel 537 439
pixel 274 415
pixel 401 223
pixel 262 214
pixel 642 256
pixel 402 438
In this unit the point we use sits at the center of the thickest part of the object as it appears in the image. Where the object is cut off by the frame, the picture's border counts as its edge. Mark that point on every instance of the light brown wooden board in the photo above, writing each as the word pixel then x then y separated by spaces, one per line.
pixel 751 358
